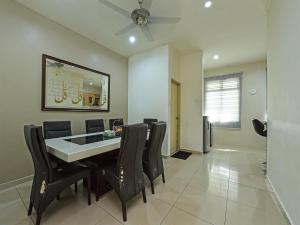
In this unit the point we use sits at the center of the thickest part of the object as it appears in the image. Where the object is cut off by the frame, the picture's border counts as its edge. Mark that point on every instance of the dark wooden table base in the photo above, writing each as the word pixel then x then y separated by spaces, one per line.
pixel 96 163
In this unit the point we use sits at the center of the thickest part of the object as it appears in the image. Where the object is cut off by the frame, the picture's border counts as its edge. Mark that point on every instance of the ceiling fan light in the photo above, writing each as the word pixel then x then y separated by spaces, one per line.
pixel 207 3
pixel 216 57
pixel 132 39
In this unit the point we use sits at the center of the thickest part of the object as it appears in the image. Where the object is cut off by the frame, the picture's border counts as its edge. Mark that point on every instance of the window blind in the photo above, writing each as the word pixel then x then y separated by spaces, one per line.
pixel 223 100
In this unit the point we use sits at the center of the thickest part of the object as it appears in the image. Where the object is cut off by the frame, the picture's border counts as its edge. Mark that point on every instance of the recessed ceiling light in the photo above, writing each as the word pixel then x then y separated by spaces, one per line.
pixel 216 57
pixel 132 39
pixel 207 3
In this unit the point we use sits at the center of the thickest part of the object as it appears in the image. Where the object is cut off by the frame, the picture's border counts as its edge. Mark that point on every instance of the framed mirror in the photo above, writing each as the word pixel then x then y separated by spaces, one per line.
pixel 70 87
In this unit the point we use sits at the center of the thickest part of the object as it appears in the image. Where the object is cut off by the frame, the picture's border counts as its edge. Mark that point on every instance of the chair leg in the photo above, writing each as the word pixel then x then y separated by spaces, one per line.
pixel 76 187
pixel 30 208
pixel 38 219
pixel 124 211
pixel 88 187
pixel 152 187
pixel 97 187
pixel 163 177
pixel 144 195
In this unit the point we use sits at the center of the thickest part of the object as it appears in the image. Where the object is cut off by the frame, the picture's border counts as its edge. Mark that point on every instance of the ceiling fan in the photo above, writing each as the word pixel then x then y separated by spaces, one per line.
pixel 141 17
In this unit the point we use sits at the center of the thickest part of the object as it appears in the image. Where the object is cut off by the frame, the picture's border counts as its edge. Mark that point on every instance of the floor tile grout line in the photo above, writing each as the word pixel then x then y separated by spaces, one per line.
pixel 23 202
pixel 121 222
pixel 181 193
pixel 198 217
pixel 226 209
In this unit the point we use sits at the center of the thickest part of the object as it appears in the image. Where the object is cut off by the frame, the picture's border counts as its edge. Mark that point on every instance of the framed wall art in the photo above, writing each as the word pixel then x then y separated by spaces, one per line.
pixel 70 87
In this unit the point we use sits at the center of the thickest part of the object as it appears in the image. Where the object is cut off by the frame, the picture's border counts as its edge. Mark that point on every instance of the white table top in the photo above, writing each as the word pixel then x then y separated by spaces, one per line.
pixel 71 152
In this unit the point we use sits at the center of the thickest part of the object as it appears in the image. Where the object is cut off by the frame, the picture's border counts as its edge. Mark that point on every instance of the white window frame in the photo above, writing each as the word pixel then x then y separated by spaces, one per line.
pixel 233 125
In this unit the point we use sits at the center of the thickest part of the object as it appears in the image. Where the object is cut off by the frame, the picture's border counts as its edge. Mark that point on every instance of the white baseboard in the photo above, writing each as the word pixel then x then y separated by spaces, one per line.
pixel 279 201
pixel 14 183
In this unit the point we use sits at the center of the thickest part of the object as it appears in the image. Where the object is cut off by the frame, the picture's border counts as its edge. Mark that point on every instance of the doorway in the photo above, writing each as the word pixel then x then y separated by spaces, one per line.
pixel 175 117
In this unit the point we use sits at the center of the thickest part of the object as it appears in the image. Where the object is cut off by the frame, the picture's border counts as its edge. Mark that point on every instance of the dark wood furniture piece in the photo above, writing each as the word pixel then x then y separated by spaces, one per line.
pixel 126 175
pixel 152 158
pixel 48 183
pixel 98 183
pixel 93 126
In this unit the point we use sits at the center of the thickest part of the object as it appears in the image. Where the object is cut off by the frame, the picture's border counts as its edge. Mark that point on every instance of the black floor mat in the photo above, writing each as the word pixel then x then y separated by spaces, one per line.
pixel 181 155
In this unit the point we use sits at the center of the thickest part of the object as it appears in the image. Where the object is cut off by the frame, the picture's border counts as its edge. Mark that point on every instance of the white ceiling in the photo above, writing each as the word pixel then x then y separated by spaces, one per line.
pixel 234 29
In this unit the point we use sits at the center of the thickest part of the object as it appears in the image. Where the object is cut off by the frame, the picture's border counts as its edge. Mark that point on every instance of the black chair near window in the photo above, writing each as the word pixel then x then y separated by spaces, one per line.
pixel 126 175
pixel 47 182
pixel 94 126
pixel 152 158
pixel 115 123
pixel 58 129
pixel 149 121
pixel 259 127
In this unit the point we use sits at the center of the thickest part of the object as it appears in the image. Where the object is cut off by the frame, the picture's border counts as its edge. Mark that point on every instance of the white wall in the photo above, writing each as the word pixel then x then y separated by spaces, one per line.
pixel 148 88
pixel 253 106
pixel 25 36
pixel 284 104
pixel 191 123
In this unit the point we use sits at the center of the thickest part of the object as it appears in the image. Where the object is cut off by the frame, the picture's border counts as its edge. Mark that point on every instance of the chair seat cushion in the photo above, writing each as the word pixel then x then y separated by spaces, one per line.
pixel 71 170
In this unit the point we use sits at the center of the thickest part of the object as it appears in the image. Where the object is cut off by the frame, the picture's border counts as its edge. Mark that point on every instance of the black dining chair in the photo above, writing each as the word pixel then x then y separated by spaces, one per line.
pixel 149 121
pixel 152 158
pixel 126 175
pixel 115 122
pixel 259 128
pixel 94 126
pixel 58 129
pixel 48 182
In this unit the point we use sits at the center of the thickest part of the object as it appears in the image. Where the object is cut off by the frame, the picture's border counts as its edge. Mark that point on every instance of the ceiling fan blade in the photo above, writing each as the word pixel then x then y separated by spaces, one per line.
pixel 116 8
pixel 126 29
pixel 164 20
pixel 147 32
pixel 147 4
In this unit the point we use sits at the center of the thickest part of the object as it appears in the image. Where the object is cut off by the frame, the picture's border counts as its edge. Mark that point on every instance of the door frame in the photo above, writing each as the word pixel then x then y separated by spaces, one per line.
pixel 178 84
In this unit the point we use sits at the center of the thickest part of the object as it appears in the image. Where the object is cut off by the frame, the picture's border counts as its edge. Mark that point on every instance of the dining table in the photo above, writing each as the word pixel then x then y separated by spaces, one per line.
pixel 96 150
pixel 82 146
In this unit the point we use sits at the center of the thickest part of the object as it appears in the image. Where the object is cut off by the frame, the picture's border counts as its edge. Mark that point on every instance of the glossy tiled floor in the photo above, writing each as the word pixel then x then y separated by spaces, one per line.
pixel 224 187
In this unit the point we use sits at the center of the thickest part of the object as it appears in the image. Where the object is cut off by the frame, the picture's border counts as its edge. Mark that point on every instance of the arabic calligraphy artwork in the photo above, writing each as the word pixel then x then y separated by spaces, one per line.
pixel 71 87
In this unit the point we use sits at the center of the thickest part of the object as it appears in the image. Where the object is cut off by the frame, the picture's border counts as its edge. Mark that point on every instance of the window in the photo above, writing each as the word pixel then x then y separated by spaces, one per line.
pixel 223 100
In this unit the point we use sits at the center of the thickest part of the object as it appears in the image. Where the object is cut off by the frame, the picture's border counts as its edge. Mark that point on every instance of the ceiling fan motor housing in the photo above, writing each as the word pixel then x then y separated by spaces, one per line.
pixel 140 16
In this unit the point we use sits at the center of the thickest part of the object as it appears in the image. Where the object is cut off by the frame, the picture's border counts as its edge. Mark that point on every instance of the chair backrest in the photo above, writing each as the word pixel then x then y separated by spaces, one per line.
pixel 153 152
pixel 93 126
pixel 259 127
pixel 115 122
pixel 129 165
pixel 37 147
pixel 57 129
pixel 149 121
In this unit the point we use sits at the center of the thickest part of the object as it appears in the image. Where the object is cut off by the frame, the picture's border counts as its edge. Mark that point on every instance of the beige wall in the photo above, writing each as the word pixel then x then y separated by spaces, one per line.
pixel 284 104
pixel 148 93
pixel 253 106
pixel 25 36
pixel 174 64
pixel 191 123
